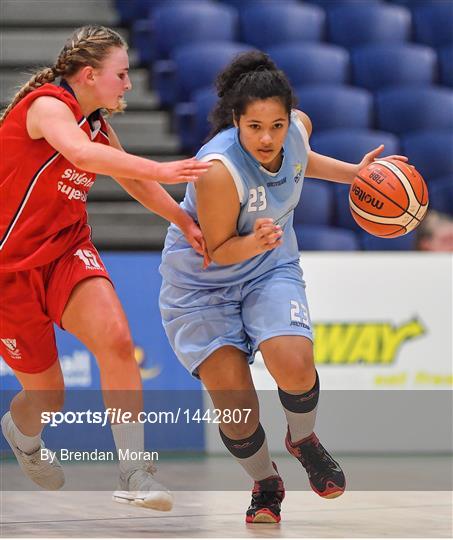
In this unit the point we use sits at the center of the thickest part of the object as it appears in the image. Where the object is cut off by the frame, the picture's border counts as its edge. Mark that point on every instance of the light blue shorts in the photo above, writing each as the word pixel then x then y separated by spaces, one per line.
pixel 198 322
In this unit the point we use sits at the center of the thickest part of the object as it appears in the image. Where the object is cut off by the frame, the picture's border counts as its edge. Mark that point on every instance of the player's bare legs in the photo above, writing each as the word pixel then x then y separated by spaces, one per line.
pixel 40 392
pixel 289 360
pixel 226 375
pixel 95 316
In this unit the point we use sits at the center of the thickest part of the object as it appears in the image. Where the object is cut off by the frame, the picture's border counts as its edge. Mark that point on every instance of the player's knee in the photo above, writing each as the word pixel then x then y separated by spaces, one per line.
pixel 118 341
pixel 297 372
pixel 47 400
pixel 238 430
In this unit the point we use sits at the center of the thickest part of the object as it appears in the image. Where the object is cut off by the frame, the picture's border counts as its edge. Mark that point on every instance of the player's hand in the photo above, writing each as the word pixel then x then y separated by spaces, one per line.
pixel 375 154
pixel 194 236
pixel 177 172
pixel 267 235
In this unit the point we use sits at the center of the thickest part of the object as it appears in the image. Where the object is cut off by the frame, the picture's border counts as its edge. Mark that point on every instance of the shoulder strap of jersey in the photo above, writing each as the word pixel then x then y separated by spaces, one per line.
pixel 54 91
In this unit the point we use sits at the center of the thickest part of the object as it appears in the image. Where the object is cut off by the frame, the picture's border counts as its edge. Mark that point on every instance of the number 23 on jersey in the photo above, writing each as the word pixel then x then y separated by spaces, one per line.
pixel 257 199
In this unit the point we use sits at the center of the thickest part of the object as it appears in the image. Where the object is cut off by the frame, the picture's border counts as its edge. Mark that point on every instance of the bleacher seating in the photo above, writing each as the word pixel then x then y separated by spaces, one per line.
pixel 182 23
pixel 333 4
pixel 321 238
pixel 402 110
pixel 433 23
pixel 191 68
pixel 343 216
pixel 132 10
pixel 441 195
pixel 312 63
pixel 152 36
pixel 334 106
pixel 354 25
pixel 352 144
pixel 379 66
pixel 398 54
pixel 446 65
pixel 430 152
pixel 241 5
pixel 267 24
pixel 316 204
pixel 191 119
pixel 376 243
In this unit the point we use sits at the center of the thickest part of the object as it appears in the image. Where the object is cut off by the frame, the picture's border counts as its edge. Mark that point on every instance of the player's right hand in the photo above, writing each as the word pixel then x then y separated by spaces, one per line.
pixel 177 172
pixel 267 234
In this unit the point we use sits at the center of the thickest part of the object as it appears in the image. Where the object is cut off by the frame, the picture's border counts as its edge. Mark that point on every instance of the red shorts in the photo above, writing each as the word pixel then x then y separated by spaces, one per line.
pixel 32 300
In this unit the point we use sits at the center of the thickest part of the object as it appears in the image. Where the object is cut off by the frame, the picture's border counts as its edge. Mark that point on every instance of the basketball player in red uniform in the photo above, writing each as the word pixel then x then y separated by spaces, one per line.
pixel 54 140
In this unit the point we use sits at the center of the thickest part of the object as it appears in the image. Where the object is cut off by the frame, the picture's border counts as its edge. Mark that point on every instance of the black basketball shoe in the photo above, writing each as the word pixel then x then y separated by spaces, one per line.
pixel 324 473
pixel 267 497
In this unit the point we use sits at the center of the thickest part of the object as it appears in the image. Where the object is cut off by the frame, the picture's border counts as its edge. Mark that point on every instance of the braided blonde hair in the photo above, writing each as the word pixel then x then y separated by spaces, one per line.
pixel 88 46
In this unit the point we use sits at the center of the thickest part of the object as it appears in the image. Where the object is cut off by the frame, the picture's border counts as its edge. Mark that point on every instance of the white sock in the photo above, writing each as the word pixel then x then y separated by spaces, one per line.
pixel 259 466
pixel 24 442
pixel 129 437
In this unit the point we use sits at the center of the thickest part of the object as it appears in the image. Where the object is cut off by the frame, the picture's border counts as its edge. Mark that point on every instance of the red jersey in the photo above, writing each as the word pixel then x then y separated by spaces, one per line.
pixel 42 194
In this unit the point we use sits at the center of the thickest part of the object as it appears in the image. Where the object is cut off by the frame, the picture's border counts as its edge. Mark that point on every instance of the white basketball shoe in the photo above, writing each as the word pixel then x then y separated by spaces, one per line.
pixel 140 488
pixel 48 475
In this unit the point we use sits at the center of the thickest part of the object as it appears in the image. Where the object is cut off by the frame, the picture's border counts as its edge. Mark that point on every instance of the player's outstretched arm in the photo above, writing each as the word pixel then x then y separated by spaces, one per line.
pixel 335 170
pixel 327 168
pixel 66 137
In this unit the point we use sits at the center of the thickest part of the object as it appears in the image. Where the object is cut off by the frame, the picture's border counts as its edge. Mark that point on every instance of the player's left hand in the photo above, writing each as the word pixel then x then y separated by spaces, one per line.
pixel 375 154
pixel 194 236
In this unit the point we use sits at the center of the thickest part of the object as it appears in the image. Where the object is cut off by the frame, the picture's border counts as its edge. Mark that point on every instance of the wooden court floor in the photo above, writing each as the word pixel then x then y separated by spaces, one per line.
pixel 215 514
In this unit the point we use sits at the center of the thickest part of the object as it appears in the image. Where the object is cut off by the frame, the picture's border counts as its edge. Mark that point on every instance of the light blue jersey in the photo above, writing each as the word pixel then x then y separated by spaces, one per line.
pixel 262 194
pixel 242 304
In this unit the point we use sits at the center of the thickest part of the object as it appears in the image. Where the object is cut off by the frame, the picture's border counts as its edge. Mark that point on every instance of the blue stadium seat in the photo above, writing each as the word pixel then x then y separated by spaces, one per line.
pixel 379 66
pixel 433 23
pixel 441 195
pixel 333 4
pixel 321 238
pixel 270 24
pixel 181 23
pixel 312 63
pixel 192 67
pixel 240 5
pixel 331 107
pixel 143 27
pixel 446 65
pixel 352 144
pixel 315 205
pixel 401 243
pixel 401 110
pixel 412 4
pixel 191 119
pixel 354 25
pixel 343 217
pixel 430 152
pixel 131 10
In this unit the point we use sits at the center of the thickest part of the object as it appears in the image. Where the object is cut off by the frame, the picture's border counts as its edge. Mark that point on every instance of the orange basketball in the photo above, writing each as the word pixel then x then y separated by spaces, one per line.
pixel 388 198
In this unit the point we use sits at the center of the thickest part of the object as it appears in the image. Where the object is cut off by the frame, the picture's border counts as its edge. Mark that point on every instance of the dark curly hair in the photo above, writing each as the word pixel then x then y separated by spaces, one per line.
pixel 250 76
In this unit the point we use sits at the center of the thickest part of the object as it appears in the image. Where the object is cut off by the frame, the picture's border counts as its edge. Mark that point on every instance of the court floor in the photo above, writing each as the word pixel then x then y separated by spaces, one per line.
pixel 205 514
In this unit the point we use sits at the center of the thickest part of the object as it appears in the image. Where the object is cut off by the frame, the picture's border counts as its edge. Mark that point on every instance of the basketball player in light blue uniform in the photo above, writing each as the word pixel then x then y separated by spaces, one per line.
pixel 252 295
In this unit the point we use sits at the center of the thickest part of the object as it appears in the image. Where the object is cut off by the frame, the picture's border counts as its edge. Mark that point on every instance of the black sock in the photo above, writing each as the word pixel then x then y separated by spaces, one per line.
pixel 300 411
pixel 251 453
